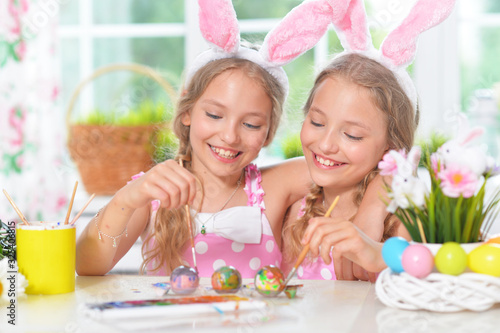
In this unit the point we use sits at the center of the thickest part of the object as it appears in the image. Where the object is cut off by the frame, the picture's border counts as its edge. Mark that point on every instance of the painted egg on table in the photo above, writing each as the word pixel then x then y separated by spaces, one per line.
pixel 417 260
pixel 392 253
pixel 184 280
pixel 269 281
pixel 451 259
pixel 226 280
pixel 485 259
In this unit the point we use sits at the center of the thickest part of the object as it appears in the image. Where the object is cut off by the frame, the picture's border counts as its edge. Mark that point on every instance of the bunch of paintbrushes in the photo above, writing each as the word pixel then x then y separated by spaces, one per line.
pixel 66 220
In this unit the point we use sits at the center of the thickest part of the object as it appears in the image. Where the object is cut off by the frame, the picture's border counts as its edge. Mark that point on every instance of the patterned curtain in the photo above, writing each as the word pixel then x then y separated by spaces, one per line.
pixel 31 119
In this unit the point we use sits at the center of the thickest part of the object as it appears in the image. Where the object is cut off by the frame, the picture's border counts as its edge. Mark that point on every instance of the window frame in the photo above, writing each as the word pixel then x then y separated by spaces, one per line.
pixel 436 67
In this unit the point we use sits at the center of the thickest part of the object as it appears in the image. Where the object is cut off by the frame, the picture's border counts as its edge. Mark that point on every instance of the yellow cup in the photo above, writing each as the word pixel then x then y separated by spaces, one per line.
pixel 46 257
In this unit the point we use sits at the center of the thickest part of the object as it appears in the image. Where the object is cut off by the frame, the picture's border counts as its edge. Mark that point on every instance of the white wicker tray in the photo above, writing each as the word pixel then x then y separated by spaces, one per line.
pixel 438 292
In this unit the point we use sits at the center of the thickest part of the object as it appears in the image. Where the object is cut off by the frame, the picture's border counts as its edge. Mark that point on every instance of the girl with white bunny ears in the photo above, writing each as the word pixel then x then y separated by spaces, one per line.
pixel 230 109
pixel 362 105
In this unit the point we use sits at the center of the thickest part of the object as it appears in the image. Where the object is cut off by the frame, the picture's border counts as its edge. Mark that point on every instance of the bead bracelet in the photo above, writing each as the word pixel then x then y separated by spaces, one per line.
pixel 99 231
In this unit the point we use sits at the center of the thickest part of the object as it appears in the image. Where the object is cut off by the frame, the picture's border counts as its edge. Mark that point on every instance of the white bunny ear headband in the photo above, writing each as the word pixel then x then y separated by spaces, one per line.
pixel 399 47
pixel 295 34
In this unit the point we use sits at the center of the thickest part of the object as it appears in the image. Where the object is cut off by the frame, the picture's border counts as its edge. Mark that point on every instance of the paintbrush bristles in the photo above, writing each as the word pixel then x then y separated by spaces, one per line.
pixel 15 208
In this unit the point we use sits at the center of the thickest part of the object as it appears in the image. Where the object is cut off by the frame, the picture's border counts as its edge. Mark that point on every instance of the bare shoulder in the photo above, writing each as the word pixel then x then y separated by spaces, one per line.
pixel 289 179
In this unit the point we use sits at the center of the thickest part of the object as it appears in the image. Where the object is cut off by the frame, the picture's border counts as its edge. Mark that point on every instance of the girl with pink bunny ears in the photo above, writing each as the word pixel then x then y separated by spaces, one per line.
pixel 362 105
pixel 230 109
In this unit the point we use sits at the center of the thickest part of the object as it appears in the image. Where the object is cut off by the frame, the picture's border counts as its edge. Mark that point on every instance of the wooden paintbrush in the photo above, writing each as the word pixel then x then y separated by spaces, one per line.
pixel 190 228
pixel 81 210
pixel 66 220
pixel 303 254
pixel 15 208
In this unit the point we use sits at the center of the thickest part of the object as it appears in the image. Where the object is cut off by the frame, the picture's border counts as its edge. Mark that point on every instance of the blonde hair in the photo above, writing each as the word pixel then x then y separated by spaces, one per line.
pixel 402 120
pixel 169 231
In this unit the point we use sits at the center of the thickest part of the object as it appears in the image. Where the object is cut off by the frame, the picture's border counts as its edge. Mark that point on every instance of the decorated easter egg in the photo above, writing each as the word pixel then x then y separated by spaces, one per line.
pixel 269 281
pixel 495 240
pixel 417 260
pixel 451 259
pixel 485 259
pixel 226 280
pixel 392 252
pixel 184 280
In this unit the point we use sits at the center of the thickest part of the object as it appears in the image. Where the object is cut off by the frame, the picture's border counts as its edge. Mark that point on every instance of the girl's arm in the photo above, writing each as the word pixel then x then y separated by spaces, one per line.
pixel 370 219
pixel 350 242
pixel 126 216
pixel 284 184
pixel 372 210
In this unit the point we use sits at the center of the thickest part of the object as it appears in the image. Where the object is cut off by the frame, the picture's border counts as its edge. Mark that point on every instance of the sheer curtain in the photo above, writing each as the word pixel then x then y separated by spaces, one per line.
pixel 32 167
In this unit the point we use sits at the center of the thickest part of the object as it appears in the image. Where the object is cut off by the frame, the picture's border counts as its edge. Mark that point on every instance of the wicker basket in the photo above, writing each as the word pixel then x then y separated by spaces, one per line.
pixel 107 156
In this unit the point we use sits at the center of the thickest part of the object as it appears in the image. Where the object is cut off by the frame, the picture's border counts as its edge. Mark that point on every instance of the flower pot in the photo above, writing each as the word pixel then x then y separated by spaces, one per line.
pixel 434 247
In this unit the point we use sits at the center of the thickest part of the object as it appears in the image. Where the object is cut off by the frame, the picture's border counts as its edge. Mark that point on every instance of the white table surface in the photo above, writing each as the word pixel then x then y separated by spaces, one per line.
pixel 320 306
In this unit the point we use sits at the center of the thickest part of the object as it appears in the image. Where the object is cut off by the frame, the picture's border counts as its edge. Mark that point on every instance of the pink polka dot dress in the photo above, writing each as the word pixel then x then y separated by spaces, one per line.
pixel 238 236
pixel 314 268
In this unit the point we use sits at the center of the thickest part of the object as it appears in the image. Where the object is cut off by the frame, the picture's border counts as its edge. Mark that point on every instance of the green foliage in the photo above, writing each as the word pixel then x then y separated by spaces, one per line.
pixel 146 113
pixel 291 146
pixel 447 219
pixel 430 145
pixel 166 145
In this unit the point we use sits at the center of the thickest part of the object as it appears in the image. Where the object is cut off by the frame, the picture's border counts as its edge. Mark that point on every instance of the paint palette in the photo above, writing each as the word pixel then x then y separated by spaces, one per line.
pixel 174 309
pixel 226 280
pixel 269 281
pixel 184 280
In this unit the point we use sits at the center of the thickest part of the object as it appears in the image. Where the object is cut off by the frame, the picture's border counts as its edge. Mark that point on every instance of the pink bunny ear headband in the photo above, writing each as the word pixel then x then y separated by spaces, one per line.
pixel 296 33
pixel 306 24
pixel 399 47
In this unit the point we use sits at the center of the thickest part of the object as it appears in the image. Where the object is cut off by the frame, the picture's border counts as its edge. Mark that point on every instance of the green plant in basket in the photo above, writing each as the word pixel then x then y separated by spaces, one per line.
pixel 449 200
pixel 291 146
pixel 146 113
pixel 166 145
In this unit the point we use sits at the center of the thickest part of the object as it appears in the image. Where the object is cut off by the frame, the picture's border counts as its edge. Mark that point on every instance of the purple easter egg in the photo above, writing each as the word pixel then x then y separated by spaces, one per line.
pixel 184 280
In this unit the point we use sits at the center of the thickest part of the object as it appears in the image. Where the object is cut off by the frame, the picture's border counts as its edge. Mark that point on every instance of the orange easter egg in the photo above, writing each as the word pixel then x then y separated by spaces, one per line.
pixel 494 240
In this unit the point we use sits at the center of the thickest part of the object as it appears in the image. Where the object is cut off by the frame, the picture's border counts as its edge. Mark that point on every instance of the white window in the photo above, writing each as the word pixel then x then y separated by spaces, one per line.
pixel 454 60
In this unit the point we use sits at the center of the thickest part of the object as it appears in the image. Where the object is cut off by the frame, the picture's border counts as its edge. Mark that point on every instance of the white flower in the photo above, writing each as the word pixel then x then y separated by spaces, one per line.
pixel 21 282
pixel 407 190
pixel 406 187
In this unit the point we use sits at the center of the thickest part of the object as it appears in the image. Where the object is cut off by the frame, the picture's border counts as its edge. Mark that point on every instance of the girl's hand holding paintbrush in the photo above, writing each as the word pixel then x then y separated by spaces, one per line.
pixel 168 182
pixel 347 241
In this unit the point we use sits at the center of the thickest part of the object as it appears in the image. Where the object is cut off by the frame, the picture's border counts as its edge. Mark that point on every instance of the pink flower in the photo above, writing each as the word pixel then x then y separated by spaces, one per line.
pixel 456 182
pixel 61 203
pixel 388 166
pixel 436 163
pixel 21 50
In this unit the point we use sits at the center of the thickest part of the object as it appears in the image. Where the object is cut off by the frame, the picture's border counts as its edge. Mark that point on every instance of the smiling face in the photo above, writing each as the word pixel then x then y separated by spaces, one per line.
pixel 344 135
pixel 229 124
